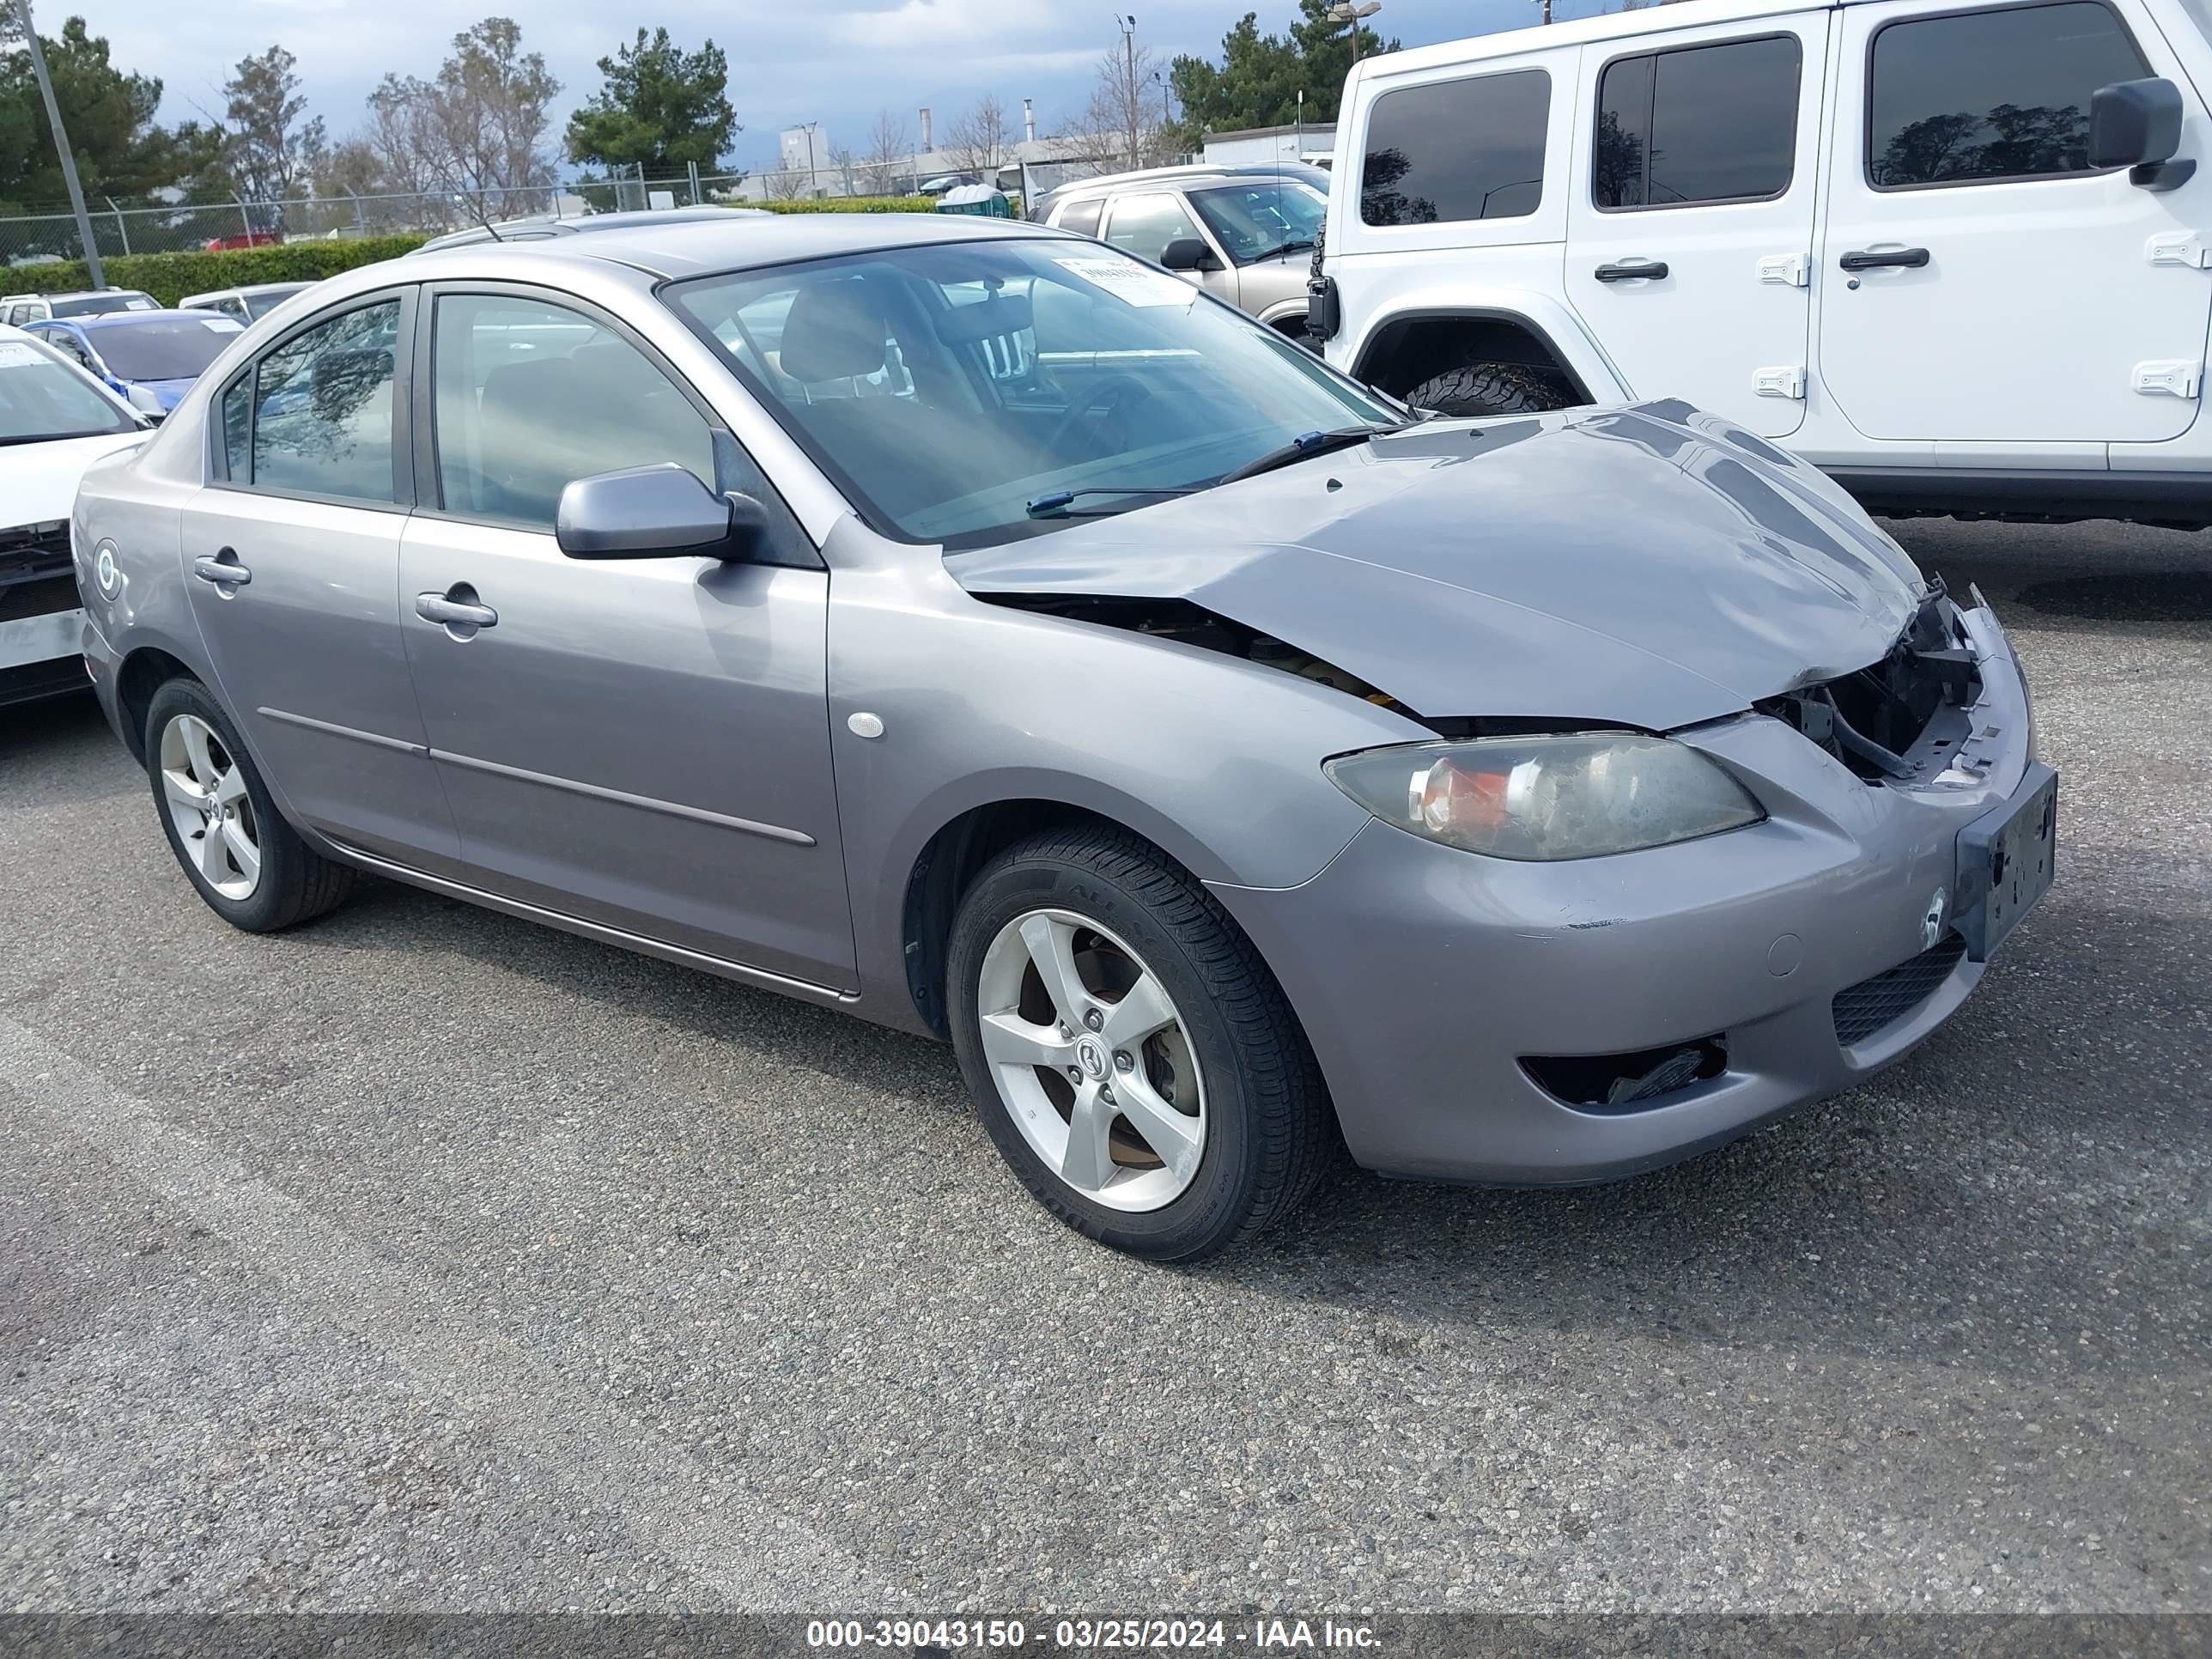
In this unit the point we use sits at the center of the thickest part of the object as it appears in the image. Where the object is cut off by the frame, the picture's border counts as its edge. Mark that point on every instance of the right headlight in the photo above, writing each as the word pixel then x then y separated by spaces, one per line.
pixel 1539 799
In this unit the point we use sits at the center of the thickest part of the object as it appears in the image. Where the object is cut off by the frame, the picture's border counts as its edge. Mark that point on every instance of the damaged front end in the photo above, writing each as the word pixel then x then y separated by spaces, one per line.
pixel 1903 719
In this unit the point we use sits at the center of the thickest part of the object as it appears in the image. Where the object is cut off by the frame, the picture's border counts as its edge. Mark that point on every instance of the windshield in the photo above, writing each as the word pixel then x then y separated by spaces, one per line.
pixel 42 397
pixel 99 304
pixel 1262 218
pixel 163 348
pixel 947 388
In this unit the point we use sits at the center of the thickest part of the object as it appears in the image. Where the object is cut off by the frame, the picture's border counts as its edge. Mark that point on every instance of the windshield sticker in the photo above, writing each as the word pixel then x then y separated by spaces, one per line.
pixel 226 325
pixel 14 353
pixel 1130 282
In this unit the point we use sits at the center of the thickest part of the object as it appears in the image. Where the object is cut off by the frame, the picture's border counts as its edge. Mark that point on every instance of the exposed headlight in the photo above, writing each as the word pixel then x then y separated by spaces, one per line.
pixel 143 398
pixel 1547 797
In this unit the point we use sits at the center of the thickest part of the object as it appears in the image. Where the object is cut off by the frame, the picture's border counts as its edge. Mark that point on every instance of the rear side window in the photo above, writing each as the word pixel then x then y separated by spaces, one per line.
pixel 322 410
pixel 1703 124
pixel 1982 96
pixel 1082 217
pixel 1456 149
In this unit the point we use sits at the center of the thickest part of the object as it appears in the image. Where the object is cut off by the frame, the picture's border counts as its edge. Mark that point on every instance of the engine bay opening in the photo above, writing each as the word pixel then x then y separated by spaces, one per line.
pixel 1887 721
pixel 1187 623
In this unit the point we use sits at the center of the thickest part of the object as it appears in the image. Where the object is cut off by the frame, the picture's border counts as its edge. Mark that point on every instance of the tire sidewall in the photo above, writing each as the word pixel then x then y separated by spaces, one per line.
pixel 1219 1194
pixel 281 851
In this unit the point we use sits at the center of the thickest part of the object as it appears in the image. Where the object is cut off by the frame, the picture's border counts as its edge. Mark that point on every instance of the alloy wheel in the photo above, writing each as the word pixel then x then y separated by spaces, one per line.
pixel 204 790
pixel 1092 1059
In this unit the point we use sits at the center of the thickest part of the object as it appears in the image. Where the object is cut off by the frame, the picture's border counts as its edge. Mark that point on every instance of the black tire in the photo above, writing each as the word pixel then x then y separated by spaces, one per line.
pixel 1491 389
pixel 295 883
pixel 1269 1128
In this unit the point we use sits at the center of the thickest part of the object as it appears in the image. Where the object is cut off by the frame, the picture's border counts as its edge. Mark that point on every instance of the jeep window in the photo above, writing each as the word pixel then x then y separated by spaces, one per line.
pixel 1982 96
pixel 1703 124
pixel 1456 149
pixel 1081 217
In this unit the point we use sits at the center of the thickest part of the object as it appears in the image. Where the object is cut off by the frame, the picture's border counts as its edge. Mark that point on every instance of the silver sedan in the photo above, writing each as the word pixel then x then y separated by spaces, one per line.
pixel 974 628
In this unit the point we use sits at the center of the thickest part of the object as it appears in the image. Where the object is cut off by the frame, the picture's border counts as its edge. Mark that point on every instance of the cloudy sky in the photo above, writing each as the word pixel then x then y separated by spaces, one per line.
pixel 791 61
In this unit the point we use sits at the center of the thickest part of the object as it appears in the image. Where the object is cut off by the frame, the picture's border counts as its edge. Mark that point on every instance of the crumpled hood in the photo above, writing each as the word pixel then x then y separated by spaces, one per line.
pixel 1653 565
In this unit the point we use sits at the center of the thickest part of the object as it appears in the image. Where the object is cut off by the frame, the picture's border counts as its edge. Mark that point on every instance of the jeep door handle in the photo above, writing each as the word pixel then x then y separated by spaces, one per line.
pixel 224 570
pixel 456 608
pixel 1652 269
pixel 1911 259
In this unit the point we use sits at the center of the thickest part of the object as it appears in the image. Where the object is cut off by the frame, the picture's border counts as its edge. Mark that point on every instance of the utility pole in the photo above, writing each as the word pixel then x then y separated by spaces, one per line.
pixel 62 147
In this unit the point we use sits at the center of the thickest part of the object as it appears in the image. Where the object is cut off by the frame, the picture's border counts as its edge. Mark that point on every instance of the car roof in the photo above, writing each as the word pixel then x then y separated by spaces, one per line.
pixel 245 288
pixel 82 293
pixel 107 319
pixel 1194 173
pixel 532 226
pixel 694 248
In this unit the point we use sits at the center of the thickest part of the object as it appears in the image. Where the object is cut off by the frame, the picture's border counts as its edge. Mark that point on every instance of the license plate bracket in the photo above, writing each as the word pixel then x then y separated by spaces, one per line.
pixel 2007 859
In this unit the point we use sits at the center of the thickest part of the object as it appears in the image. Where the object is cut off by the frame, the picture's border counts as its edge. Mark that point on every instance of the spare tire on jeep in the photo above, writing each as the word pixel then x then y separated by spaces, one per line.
pixel 1491 389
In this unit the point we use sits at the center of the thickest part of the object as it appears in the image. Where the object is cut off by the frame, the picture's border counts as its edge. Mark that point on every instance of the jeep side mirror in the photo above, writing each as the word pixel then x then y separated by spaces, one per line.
pixel 2137 125
pixel 656 513
pixel 1188 253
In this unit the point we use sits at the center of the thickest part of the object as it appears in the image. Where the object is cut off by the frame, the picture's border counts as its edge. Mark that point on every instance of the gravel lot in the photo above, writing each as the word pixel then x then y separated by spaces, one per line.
pixel 423 1259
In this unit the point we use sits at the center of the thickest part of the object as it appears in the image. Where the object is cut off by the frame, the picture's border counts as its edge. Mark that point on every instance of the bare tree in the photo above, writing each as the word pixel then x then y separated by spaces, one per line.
pixel 784 184
pixel 887 153
pixel 1124 121
pixel 978 141
pixel 479 128
pixel 848 168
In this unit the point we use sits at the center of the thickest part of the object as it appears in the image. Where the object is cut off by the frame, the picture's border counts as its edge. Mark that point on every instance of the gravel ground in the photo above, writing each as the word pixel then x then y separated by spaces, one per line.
pixel 423 1259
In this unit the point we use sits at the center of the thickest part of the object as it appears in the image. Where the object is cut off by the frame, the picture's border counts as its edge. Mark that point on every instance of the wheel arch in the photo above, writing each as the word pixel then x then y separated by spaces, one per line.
pixel 1412 342
pixel 143 672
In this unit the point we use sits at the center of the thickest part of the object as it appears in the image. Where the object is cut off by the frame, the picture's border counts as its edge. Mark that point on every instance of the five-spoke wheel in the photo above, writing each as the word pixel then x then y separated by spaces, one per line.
pixel 208 806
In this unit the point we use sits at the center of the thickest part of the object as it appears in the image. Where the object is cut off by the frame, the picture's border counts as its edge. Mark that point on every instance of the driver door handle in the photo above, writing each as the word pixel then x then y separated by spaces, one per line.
pixel 1651 269
pixel 1867 260
pixel 455 610
pixel 224 570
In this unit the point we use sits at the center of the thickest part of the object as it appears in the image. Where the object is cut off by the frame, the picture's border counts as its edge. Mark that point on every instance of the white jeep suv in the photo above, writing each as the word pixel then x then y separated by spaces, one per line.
pixel 1959 257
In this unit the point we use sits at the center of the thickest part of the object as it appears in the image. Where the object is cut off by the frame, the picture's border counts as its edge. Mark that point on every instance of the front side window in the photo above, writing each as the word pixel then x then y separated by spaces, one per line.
pixel 1145 225
pixel 969 393
pixel 1701 123
pixel 532 396
pixel 322 410
pixel 1456 149
pixel 42 397
pixel 1983 96
pixel 1262 219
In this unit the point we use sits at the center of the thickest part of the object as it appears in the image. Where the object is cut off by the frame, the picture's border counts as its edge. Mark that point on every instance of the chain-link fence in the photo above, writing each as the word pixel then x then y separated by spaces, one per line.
pixel 50 236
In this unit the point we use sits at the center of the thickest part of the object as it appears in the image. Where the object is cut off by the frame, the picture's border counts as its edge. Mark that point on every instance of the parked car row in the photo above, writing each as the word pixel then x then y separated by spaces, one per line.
pixel 972 625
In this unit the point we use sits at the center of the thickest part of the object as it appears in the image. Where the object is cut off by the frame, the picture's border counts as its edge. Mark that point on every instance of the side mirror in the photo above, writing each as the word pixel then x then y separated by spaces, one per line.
pixel 2137 125
pixel 1188 253
pixel 656 513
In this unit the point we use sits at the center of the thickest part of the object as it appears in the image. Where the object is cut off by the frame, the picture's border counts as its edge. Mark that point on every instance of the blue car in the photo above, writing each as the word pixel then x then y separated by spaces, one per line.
pixel 149 357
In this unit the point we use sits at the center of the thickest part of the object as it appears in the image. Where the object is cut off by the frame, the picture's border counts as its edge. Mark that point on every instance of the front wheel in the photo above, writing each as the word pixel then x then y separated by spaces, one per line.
pixel 1129 1051
pixel 1491 389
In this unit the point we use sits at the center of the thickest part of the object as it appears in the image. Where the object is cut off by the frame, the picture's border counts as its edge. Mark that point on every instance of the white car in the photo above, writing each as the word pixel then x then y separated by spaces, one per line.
pixel 249 303
pixel 1959 257
pixel 56 420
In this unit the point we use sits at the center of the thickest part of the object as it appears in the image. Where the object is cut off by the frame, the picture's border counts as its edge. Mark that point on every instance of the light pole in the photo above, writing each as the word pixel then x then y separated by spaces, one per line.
pixel 1130 94
pixel 1352 11
pixel 62 146
pixel 813 187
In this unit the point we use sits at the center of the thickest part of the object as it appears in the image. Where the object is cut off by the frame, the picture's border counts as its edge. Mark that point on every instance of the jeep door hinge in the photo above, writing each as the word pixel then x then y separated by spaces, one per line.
pixel 1784 382
pixel 1790 270
pixel 2168 379
pixel 2179 247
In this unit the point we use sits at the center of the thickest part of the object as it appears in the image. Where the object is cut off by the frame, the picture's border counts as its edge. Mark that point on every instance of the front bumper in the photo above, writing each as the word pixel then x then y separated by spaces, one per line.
pixel 1423 976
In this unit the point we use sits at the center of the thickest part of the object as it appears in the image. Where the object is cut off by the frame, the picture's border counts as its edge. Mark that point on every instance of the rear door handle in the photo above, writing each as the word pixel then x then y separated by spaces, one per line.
pixel 457 609
pixel 1652 269
pixel 1873 260
pixel 224 570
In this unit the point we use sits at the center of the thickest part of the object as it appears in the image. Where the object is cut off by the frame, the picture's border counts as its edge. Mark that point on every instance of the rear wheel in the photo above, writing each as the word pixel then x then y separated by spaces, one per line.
pixel 1491 389
pixel 1129 1051
pixel 248 863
